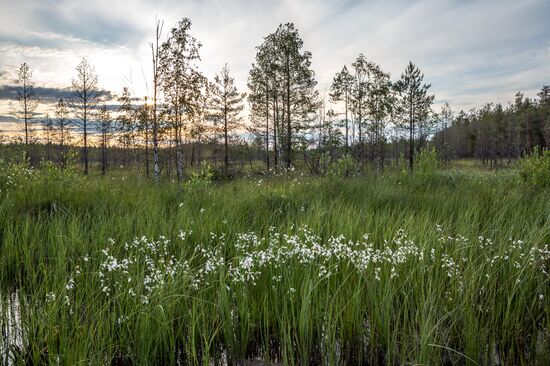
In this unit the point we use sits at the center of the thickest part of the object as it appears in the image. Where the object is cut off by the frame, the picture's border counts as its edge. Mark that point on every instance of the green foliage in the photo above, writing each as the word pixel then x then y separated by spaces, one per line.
pixel 200 178
pixel 344 167
pixel 427 162
pixel 534 168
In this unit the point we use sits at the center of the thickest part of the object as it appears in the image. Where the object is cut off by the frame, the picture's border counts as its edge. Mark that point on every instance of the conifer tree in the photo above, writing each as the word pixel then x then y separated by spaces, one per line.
pixel 414 105
pixel 27 102
pixel 283 77
pixel 106 129
pixel 227 105
pixel 84 101
pixel 340 91
pixel 61 125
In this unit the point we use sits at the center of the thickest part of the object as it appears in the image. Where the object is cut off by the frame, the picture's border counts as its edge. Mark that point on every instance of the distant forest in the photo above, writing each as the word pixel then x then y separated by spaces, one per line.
pixel 281 121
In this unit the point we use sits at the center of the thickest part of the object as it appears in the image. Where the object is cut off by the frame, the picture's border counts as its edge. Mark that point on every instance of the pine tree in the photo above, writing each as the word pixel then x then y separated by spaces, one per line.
pixel 544 95
pixel 126 122
pixel 226 105
pixel 414 105
pixel 259 97
pixel 359 99
pixel 380 106
pixel 143 128
pixel 48 130
pixel 27 102
pixel 106 129
pixel 283 77
pixel 62 128
pixel 340 91
pixel 85 99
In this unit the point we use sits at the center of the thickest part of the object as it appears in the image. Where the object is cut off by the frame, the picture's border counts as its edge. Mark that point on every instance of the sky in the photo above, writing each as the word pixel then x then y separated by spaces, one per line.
pixel 472 52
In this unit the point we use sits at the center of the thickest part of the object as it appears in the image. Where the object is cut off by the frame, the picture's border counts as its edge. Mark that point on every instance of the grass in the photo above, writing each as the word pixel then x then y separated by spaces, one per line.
pixel 454 270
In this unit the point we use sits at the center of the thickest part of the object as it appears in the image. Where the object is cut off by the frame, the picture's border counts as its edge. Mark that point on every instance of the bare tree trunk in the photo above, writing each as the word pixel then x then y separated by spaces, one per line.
pixel 155 54
pixel 267 127
pixel 288 126
pixel 411 137
pixel 85 140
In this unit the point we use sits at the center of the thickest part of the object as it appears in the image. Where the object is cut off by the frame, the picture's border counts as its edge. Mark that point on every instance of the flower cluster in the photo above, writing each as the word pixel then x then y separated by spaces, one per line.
pixel 143 266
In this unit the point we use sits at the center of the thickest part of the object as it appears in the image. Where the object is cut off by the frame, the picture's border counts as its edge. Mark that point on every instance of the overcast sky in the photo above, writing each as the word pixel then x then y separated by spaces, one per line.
pixel 472 52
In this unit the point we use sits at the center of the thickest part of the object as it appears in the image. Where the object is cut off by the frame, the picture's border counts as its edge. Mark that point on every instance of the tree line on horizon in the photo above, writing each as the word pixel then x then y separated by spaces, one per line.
pixel 366 117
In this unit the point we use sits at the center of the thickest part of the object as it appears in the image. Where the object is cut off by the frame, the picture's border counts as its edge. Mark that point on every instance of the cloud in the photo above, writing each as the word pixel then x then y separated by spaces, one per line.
pixel 45 94
pixel 472 52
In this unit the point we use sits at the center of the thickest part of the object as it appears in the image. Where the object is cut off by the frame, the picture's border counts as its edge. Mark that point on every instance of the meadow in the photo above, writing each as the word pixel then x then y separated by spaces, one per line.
pixel 447 268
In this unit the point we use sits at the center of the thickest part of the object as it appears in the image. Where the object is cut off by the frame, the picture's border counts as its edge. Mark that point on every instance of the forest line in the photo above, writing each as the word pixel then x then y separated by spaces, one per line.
pixel 366 117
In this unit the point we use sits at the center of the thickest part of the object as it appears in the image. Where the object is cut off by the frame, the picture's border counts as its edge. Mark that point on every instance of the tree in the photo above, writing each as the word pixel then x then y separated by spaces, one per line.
pixel 48 129
pixel 299 80
pixel 61 126
pixel 106 129
pixel 544 95
pixel 359 101
pixel 181 83
pixel 27 102
pixel 414 104
pixel 283 76
pixel 156 81
pixel 126 122
pixel 144 127
pixel 380 105
pixel 446 118
pixel 85 99
pixel 227 105
pixel 260 95
pixel 340 91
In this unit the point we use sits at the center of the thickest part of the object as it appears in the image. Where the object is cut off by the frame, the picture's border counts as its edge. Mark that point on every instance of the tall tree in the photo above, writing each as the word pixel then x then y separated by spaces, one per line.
pixel 181 83
pixel 106 129
pixel 359 99
pixel 544 95
pixel 446 118
pixel 340 91
pixel 27 102
pixel 85 99
pixel 227 105
pixel 144 128
pixel 61 125
pixel 300 97
pixel 48 130
pixel 260 96
pixel 285 77
pixel 156 82
pixel 380 106
pixel 126 122
pixel 414 104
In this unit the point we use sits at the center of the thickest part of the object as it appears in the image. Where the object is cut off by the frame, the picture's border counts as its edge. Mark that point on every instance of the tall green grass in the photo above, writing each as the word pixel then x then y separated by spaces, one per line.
pixel 469 301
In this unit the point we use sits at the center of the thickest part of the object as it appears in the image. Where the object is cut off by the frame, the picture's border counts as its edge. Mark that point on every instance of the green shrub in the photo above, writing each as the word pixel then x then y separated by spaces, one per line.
pixel 343 167
pixel 427 162
pixel 201 177
pixel 534 168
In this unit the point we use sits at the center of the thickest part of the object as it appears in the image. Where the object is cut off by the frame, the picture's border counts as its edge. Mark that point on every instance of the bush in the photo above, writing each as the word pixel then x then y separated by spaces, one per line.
pixel 534 168
pixel 427 162
pixel 202 177
pixel 343 167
